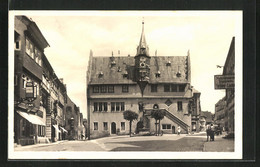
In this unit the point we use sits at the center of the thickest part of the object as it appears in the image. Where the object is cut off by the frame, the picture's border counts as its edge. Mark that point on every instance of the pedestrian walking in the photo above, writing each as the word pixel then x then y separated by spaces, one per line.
pixel 208 131
pixel 212 133
pixel 179 130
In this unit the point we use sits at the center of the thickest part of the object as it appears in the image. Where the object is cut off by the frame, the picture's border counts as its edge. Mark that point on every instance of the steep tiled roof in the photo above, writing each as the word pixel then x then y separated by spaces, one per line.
pixel 113 74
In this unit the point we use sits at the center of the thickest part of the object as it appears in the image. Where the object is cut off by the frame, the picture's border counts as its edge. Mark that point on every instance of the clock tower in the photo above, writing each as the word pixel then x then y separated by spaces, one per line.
pixel 142 62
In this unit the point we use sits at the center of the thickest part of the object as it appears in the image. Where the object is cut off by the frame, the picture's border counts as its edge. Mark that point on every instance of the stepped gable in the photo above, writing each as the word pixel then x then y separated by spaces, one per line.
pixel 113 73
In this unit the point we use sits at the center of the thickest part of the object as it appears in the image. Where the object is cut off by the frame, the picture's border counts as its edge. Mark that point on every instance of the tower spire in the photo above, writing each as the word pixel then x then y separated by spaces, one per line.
pixel 142 47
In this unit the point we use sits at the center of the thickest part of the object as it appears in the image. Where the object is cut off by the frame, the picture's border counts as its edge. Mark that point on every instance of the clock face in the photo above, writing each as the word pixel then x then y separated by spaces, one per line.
pixel 142 64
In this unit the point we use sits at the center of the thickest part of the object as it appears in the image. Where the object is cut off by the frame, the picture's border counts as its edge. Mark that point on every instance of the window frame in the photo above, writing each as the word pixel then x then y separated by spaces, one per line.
pixel 122 126
pixel 110 88
pixel 105 128
pixel 103 89
pixel 113 106
pixel 125 88
pixel 174 86
pixel 180 86
pixel 95 127
pixel 95 89
pixel 154 87
pixel 122 106
pixel 167 86
pixel 166 126
pixel 179 106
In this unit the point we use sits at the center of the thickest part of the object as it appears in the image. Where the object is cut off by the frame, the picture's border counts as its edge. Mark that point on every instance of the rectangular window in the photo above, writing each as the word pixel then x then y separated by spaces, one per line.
pixel 112 106
pixel 167 88
pixel 117 106
pixel 174 88
pixel 17 45
pixel 124 88
pixel 15 80
pixel 31 50
pixel 100 108
pixel 122 106
pixel 105 126
pixel 182 88
pixel 95 106
pixel 154 88
pixel 179 105
pixel 95 89
pixel 122 125
pixel 105 106
pixel 166 126
pixel 110 89
pixel 95 125
pixel 27 43
pixel 103 89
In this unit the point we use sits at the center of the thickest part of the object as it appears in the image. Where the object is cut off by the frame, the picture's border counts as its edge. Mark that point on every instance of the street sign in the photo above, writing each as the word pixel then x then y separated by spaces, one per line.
pixel 224 81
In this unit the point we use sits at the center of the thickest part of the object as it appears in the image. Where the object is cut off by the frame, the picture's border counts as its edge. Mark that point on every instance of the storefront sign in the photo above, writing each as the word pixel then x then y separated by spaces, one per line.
pixel 224 81
pixel 29 90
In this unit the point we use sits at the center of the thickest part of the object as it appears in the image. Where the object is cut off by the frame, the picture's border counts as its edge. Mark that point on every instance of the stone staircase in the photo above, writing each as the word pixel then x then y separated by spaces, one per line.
pixel 177 120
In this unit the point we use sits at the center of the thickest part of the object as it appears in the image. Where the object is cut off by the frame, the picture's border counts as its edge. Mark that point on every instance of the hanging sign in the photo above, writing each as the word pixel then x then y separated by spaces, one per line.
pixel 224 81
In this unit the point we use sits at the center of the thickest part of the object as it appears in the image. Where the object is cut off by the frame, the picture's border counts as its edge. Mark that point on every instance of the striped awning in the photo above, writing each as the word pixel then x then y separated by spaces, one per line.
pixel 31 118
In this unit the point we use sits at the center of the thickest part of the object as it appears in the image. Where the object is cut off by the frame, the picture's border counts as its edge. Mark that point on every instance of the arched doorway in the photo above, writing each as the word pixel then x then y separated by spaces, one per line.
pixel 173 129
pixel 113 128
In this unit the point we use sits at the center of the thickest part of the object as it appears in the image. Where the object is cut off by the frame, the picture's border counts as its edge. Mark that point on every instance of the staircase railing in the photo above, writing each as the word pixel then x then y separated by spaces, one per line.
pixel 177 120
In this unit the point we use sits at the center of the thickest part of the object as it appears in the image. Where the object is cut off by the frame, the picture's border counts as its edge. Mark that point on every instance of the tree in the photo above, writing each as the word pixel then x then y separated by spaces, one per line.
pixel 130 116
pixel 158 115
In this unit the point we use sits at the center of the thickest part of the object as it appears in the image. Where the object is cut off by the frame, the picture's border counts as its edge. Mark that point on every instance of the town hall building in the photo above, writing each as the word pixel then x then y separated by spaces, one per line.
pixel 141 83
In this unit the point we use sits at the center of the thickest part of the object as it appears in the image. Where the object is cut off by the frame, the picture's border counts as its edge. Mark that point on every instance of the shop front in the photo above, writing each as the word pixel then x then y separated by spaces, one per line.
pixel 26 127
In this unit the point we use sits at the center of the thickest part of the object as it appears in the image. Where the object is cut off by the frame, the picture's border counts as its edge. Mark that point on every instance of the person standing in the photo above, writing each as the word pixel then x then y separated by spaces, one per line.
pixel 208 131
pixel 212 133
pixel 179 130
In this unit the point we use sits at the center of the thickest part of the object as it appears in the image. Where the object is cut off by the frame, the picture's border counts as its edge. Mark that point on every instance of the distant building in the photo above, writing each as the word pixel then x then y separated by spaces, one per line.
pixel 220 112
pixel 206 118
pixel 142 83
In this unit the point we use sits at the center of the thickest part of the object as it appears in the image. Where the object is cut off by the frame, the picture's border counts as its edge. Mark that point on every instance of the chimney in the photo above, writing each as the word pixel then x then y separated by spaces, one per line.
pixel 61 80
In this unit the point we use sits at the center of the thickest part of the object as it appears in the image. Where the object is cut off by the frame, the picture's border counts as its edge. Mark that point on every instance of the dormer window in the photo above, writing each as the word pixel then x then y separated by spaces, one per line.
pixel 158 74
pixel 178 74
pixel 101 74
pixel 118 69
pixel 168 63
pixel 113 63
pixel 125 74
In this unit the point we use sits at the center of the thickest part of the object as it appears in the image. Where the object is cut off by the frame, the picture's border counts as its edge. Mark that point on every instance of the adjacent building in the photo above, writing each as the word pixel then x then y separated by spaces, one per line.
pixel 226 81
pixel 141 83
pixel 40 97
pixel 220 112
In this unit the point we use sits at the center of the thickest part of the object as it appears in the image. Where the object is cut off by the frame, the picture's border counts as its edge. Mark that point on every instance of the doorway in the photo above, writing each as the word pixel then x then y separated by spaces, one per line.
pixel 113 128
pixel 173 129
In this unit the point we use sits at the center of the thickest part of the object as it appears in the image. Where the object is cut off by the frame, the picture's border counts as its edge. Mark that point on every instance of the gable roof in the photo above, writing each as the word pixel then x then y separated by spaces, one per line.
pixel 113 74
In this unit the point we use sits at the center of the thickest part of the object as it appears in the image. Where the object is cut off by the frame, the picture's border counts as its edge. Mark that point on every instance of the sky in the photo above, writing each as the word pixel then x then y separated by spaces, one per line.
pixel 206 35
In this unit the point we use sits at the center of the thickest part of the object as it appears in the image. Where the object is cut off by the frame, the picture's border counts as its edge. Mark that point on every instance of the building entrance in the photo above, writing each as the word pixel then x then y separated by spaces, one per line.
pixel 113 128
pixel 173 129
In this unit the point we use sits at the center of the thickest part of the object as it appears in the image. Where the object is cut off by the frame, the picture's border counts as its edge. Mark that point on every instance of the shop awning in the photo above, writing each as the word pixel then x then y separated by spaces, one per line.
pixel 31 118
pixel 64 130
pixel 57 128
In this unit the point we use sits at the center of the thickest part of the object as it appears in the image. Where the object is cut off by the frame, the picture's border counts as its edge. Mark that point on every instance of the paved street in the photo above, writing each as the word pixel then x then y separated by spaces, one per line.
pixel 195 143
